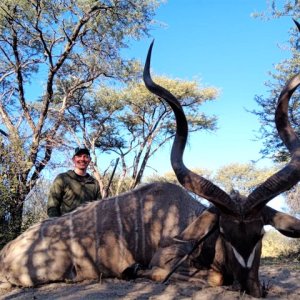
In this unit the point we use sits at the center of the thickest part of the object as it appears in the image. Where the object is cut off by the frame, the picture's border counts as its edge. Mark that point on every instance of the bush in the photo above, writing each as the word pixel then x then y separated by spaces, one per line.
pixel 35 205
pixel 276 245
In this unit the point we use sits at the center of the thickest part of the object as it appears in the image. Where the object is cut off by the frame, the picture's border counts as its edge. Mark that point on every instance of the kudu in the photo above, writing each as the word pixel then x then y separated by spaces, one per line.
pixel 240 220
pixel 100 239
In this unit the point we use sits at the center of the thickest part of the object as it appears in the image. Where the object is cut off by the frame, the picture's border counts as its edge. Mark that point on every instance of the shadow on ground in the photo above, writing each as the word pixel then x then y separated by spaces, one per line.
pixel 282 280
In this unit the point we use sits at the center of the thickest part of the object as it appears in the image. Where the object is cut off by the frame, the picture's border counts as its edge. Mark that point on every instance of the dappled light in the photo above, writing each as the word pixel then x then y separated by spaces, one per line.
pixel 282 281
pixel 99 239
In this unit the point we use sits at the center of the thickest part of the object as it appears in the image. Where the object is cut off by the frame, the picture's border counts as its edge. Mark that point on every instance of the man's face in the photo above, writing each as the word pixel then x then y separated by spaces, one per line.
pixel 81 161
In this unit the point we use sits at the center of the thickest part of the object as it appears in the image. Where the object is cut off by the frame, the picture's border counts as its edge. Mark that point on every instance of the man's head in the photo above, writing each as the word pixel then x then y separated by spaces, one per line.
pixel 81 150
pixel 81 160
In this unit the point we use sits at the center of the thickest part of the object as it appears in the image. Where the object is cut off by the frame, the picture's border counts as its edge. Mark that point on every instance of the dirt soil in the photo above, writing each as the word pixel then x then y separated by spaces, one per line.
pixel 281 279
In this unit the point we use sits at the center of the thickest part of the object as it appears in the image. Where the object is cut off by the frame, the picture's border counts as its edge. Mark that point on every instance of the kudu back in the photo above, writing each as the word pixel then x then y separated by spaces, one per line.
pixel 99 239
pixel 237 241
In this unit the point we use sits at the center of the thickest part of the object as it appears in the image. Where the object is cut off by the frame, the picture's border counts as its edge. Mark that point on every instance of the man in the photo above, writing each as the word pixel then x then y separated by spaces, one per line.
pixel 74 187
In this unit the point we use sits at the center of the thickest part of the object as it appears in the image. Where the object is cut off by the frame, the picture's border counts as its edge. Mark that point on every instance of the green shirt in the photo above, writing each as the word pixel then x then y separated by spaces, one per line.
pixel 70 190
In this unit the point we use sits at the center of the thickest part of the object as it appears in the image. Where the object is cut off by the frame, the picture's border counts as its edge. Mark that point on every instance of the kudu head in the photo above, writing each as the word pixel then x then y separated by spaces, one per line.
pixel 240 219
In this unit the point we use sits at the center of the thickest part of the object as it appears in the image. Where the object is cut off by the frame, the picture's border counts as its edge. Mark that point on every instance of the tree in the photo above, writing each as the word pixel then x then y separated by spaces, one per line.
pixel 273 146
pixel 241 177
pixel 9 185
pixel 150 124
pixel 134 124
pixel 92 120
pixel 292 200
pixel 232 177
pixel 35 205
pixel 171 177
pixel 51 51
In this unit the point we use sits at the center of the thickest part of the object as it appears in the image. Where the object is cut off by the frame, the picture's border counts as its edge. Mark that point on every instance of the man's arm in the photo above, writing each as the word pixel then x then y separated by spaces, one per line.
pixel 55 197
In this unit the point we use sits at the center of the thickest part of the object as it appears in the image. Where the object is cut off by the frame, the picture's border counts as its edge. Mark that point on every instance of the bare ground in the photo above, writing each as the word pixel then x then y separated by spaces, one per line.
pixel 282 281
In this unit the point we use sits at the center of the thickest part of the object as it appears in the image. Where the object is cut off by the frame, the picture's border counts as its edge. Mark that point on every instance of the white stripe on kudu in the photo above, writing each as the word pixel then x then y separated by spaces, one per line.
pixel 241 260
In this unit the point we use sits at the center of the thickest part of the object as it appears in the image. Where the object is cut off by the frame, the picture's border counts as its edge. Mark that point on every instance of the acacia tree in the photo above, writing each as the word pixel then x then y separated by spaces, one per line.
pixel 134 124
pixel 50 51
pixel 241 177
pixel 92 120
pixel 273 146
pixel 149 124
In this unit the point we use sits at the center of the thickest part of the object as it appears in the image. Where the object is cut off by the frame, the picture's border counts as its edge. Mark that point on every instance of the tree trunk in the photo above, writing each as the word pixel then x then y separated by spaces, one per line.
pixel 139 175
pixel 16 214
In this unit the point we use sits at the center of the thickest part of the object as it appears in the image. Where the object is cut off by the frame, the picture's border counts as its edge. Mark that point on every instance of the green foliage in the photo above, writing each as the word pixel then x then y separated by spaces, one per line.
pixel 132 123
pixel 147 123
pixel 190 93
pixel 11 189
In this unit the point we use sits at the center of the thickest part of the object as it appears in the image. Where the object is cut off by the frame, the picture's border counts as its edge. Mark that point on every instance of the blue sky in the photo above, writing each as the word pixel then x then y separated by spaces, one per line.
pixel 219 43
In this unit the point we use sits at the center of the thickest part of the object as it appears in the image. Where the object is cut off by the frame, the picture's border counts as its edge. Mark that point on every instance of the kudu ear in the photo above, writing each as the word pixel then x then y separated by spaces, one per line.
pixel 201 227
pixel 284 223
